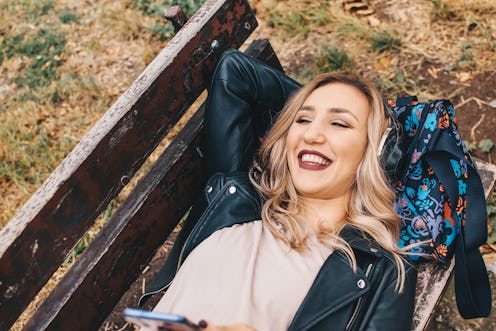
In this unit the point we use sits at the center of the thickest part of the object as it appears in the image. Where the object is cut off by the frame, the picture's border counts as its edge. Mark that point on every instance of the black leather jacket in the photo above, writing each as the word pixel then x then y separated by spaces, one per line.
pixel 339 299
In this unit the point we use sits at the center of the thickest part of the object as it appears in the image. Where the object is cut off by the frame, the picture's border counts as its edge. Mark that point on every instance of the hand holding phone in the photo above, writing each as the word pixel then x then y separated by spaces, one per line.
pixel 159 321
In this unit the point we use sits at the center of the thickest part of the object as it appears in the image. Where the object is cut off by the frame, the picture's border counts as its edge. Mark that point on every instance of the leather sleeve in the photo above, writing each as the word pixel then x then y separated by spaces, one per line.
pixel 393 310
pixel 244 97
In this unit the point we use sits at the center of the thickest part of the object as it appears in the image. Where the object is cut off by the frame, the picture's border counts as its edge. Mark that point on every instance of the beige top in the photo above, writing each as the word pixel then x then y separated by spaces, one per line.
pixel 243 274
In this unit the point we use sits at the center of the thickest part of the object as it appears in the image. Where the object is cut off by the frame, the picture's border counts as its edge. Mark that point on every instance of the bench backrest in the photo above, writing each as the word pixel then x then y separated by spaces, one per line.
pixel 40 236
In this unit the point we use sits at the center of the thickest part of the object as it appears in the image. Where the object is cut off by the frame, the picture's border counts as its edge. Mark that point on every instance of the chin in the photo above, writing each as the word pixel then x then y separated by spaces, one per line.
pixel 315 194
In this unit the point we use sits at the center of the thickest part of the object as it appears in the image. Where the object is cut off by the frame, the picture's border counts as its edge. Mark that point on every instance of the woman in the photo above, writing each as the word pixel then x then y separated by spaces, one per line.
pixel 324 255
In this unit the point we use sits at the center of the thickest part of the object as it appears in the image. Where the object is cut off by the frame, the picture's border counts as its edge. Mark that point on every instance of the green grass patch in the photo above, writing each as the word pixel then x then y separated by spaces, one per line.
pixel 353 29
pixel 67 17
pixel 401 84
pixel 384 41
pixel 292 22
pixel 31 10
pixel 34 154
pixel 333 59
pixel 299 21
pixel 44 49
pixel 39 8
pixel 162 31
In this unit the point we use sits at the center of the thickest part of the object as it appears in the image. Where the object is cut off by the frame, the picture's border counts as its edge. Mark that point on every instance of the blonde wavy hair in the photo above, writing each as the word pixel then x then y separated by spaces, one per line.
pixel 370 207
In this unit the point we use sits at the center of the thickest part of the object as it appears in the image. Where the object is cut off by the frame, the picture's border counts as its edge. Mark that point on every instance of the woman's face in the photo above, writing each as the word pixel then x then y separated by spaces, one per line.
pixel 327 141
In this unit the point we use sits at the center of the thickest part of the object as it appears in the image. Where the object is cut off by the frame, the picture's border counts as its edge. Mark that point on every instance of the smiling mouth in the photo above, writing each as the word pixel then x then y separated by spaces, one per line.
pixel 313 160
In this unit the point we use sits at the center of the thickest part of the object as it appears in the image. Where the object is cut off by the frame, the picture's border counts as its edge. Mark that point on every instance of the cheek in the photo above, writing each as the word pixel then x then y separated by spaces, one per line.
pixel 355 149
pixel 292 141
pixel 292 136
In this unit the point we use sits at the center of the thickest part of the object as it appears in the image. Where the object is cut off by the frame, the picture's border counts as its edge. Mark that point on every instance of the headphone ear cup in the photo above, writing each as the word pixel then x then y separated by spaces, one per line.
pixel 391 154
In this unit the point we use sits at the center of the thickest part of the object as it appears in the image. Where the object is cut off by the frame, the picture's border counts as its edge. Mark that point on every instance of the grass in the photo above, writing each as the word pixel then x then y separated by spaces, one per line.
pixel 158 7
pixel 30 10
pixel 353 28
pixel 333 59
pixel 467 59
pixel 300 18
pixel 383 41
pixel 43 48
pixel 67 17
pixel 60 70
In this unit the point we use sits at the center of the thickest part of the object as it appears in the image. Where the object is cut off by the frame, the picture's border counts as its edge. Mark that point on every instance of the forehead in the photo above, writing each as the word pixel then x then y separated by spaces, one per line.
pixel 339 95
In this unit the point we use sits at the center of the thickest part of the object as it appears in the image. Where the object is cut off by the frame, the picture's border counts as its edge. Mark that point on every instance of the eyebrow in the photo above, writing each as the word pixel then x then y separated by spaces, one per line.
pixel 336 110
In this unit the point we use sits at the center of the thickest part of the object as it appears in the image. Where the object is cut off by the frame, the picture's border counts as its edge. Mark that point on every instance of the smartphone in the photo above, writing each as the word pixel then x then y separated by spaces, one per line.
pixel 159 321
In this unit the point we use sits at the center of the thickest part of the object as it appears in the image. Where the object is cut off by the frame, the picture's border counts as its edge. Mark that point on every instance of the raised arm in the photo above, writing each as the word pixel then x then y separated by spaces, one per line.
pixel 244 97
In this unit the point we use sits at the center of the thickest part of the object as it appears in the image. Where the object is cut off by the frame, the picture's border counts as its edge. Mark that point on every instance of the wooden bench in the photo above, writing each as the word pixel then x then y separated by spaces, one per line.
pixel 46 229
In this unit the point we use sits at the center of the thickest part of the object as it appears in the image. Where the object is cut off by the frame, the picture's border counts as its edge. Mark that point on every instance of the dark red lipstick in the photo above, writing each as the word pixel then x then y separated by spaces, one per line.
pixel 309 165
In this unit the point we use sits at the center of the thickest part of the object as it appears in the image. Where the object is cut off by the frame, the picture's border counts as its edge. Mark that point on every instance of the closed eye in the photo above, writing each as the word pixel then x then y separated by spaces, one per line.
pixel 302 120
pixel 340 124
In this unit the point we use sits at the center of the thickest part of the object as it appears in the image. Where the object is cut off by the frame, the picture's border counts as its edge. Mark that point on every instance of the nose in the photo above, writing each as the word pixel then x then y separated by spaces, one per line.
pixel 314 134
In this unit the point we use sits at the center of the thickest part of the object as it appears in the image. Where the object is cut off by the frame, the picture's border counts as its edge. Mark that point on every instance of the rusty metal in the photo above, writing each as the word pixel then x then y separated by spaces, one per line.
pixel 176 16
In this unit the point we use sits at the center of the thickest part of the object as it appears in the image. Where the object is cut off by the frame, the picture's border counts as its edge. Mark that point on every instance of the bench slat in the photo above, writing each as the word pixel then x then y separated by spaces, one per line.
pixel 117 255
pixel 37 240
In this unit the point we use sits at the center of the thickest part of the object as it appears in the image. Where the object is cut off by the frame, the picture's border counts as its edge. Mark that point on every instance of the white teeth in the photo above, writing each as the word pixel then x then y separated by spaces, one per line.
pixel 312 158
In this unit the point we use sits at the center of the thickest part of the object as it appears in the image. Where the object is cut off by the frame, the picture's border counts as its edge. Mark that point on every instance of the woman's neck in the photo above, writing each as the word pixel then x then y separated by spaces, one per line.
pixel 328 213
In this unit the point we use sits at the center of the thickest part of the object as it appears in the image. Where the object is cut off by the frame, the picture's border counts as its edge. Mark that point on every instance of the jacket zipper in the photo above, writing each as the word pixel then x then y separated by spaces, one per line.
pixel 359 303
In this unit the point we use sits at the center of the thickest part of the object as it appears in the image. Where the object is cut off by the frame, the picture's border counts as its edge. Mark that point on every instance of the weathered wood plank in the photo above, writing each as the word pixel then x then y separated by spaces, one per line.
pixel 35 242
pixel 433 279
pixel 118 254
pixel 122 248
pixel 262 49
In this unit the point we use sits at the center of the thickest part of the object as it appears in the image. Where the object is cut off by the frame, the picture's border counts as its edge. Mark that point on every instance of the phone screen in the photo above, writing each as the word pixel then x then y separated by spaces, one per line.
pixel 158 321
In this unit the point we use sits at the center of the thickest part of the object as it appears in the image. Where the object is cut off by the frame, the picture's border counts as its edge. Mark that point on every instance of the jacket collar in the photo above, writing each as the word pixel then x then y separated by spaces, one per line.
pixel 360 241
